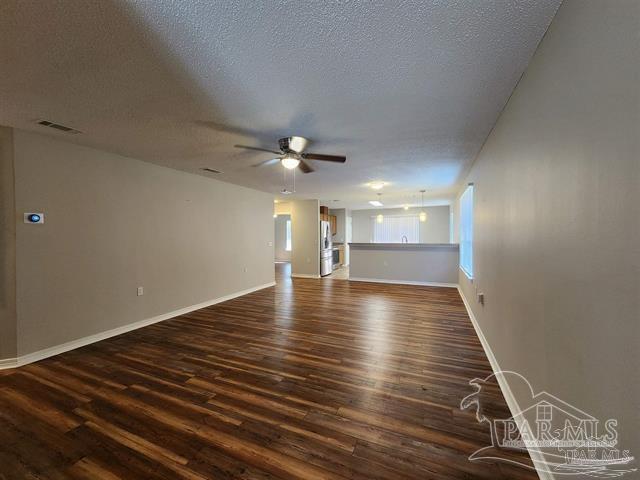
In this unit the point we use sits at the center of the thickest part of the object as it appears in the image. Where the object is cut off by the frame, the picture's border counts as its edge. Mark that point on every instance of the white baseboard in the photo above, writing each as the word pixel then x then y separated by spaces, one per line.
pixel 512 403
pixel 8 363
pixel 81 342
pixel 304 275
pixel 403 282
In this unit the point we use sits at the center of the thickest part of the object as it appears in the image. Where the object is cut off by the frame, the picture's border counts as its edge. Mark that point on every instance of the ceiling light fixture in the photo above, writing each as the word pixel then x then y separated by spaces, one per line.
pixel 406 207
pixel 289 161
pixel 378 203
pixel 423 214
pixel 377 185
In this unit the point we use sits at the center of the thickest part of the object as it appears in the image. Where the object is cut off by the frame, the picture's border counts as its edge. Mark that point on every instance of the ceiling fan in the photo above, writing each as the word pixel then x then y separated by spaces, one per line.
pixel 292 154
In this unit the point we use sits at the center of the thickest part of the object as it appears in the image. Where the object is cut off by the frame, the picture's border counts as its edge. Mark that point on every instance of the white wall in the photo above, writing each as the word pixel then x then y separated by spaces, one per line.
pixel 305 237
pixel 113 224
pixel 557 217
pixel 434 230
pixel 280 238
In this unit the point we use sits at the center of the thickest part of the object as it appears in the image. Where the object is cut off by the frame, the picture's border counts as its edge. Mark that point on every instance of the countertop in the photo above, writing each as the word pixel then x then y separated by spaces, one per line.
pixel 400 246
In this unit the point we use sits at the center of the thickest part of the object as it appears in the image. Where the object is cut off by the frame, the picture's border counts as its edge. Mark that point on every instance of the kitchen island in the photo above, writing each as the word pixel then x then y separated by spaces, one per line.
pixel 406 263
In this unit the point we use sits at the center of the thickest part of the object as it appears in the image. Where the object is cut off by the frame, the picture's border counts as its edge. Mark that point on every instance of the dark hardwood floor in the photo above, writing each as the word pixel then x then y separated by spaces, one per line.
pixel 312 379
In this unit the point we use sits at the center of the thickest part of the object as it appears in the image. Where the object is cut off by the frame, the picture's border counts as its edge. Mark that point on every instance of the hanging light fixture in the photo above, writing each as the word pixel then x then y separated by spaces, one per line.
pixel 379 217
pixel 423 214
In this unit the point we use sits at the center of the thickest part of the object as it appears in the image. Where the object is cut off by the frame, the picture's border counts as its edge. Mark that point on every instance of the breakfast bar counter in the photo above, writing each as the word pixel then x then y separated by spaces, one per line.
pixel 406 263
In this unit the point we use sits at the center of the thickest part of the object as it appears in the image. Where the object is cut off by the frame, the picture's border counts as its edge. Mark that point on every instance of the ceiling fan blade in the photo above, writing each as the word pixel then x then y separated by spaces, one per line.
pixel 326 158
pixel 305 167
pixel 259 149
pixel 271 161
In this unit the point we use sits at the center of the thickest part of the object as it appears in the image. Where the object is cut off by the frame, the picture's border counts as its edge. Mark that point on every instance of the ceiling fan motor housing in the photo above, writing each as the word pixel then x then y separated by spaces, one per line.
pixel 293 144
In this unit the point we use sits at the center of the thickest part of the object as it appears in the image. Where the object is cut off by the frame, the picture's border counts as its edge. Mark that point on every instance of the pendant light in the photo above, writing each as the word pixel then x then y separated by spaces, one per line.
pixel 380 217
pixel 423 214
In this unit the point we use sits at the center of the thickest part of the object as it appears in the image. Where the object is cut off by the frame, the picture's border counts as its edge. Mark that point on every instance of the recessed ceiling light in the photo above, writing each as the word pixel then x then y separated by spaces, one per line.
pixel 376 203
pixel 275 201
pixel 376 185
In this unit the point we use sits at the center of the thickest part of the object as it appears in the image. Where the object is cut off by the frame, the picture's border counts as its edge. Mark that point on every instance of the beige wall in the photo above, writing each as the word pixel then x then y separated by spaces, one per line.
pixel 280 238
pixel 434 230
pixel 113 224
pixel 305 237
pixel 8 339
pixel 557 217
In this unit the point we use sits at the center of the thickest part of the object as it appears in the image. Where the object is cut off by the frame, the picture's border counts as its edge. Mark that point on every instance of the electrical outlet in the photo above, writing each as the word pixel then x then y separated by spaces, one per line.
pixel 140 291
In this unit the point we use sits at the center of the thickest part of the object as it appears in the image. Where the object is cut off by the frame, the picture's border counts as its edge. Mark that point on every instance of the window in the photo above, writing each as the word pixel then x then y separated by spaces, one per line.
pixel 287 246
pixel 466 231
pixel 392 229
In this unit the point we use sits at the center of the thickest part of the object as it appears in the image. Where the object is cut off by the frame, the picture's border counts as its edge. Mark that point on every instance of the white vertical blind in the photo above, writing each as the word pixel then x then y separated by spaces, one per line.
pixel 394 227
pixel 466 231
pixel 288 237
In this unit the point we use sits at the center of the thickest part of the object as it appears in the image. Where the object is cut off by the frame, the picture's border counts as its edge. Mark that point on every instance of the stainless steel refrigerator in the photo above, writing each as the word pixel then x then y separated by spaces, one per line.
pixel 326 254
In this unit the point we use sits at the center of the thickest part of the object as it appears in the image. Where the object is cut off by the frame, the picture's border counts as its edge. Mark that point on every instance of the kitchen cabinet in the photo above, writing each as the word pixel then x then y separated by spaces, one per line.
pixel 333 220
pixel 324 214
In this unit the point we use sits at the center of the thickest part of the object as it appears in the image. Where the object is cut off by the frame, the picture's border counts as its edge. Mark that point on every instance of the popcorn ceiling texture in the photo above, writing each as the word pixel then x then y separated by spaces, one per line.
pixel 408 90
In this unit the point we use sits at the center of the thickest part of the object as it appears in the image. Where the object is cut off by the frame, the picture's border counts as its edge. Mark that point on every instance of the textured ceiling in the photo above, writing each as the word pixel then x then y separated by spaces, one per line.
pixel 407 90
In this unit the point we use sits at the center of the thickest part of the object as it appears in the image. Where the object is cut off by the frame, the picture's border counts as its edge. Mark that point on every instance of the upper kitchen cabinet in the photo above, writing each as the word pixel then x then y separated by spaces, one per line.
pixel 324 214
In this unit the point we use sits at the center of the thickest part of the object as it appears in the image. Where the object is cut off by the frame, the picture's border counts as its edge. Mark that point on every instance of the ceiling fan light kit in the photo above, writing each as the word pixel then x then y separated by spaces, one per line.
pixel 289 161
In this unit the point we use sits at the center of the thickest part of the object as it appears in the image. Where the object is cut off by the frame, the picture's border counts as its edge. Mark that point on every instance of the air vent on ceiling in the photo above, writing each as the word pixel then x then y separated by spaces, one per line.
pixel 210 170
pixel 57 126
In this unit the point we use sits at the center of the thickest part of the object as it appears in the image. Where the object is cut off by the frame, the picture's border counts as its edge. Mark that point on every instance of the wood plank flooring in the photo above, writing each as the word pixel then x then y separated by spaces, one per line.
pixel 312 379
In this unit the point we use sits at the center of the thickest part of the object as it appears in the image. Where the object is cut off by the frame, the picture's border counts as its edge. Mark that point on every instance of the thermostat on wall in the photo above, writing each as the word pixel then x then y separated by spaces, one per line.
pixel 34 217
